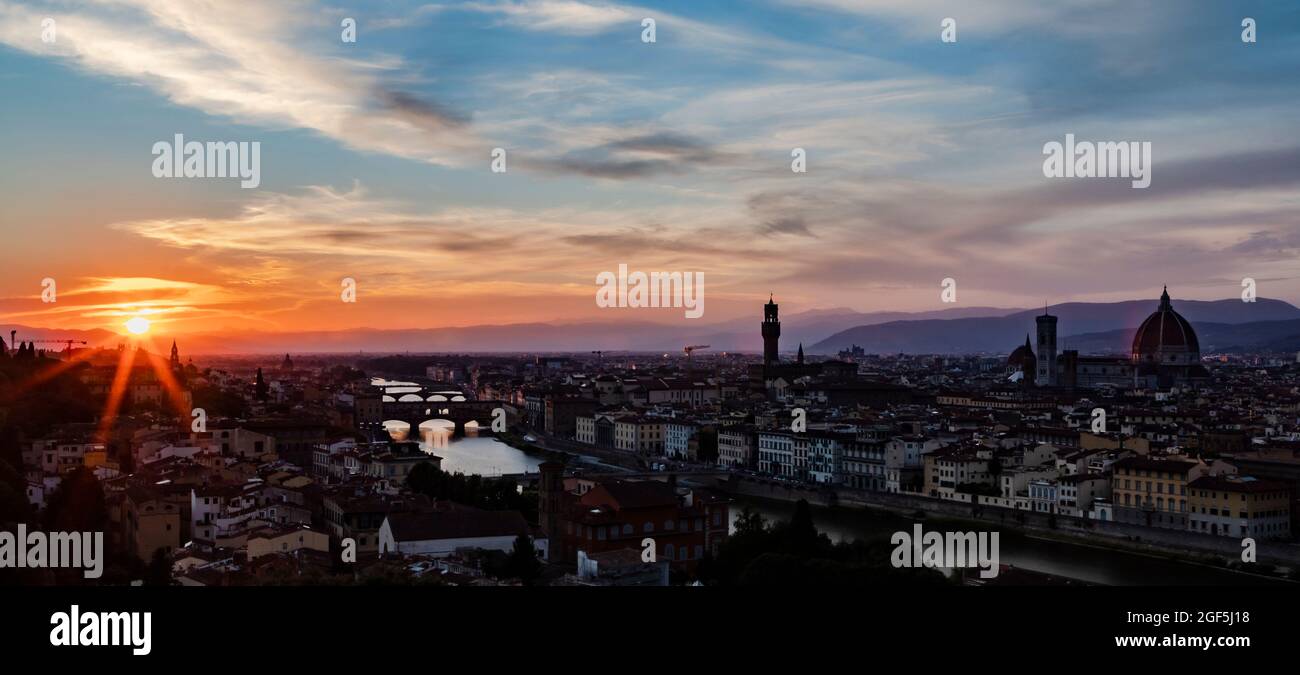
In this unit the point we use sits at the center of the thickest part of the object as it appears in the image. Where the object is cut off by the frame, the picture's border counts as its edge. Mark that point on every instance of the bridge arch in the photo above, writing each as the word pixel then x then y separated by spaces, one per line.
pixel 412 415
pixel 436 432
pixel 399 430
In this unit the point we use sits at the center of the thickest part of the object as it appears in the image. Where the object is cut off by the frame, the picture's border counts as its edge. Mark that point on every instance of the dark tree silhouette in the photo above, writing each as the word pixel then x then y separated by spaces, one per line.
pixel 259 387
pixel 77 505
pixel 523 561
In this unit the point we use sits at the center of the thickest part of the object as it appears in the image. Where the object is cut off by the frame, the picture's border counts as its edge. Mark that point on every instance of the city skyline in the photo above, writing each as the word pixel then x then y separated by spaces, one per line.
pixel 402 313
pixel 923 159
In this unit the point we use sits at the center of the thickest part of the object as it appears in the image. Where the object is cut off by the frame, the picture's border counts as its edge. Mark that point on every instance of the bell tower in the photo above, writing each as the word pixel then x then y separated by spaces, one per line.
pixel 1047 375
pixel 771 333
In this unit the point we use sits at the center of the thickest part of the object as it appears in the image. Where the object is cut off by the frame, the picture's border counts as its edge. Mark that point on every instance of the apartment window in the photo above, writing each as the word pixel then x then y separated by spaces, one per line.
pixel 648 527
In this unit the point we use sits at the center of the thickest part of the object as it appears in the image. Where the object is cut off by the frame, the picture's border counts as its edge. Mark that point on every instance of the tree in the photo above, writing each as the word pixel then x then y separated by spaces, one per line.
pixel 493 494
pixel 77 505
pixel 125 460
pixel 219 402
pixel 13 496
pixel 259 388
pixel 750 522
pixel 802 532
pixel 160 570
pixel 10 447
pixel 523 561
pixel 708 446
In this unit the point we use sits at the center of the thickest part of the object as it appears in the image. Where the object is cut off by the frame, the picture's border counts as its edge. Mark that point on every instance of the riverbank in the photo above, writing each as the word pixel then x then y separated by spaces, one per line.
pixel 1068 559
pixel 1077 554
pixel 568 456
pixel 1033 541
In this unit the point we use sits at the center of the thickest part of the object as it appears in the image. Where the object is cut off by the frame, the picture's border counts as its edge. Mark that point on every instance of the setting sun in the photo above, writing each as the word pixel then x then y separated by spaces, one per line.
pixel 137 325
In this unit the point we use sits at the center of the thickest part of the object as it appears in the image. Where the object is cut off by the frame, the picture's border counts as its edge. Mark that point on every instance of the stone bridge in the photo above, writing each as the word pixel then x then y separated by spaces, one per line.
pixel 457 412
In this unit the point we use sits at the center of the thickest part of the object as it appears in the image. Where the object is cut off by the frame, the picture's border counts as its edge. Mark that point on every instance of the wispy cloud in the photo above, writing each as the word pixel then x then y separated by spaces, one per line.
pixel 923 159
pixel 261 64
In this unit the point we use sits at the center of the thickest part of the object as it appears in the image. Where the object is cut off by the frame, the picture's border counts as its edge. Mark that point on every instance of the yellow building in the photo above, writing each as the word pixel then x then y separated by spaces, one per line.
pixel 1153 492
pixel 149 523
pixel 95 458
pixel 268 540
pixel 1231 506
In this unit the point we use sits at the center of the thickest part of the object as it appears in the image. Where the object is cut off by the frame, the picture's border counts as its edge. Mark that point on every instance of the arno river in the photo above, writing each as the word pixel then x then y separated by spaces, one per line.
pixel 488 456
pixel 1095 565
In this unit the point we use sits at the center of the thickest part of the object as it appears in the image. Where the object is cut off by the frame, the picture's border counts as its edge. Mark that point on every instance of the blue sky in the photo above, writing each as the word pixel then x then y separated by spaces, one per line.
pixel 924 158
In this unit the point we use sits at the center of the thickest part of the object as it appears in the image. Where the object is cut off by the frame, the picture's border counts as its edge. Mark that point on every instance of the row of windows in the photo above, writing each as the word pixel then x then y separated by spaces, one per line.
pixel 1160 487
pixel 670 551
pixel 1259 528
pixel 1159 503
pixel 1228 495
pixel 602 532
pixel 1147 473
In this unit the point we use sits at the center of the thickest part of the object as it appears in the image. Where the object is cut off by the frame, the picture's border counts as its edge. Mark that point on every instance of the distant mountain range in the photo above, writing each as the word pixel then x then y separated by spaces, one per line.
pixel 733 335
pixel 1223 325
pixel 1272 336
pixel 1091 328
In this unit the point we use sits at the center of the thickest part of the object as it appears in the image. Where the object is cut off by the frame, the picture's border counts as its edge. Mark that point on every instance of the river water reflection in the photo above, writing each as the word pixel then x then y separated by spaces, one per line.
pixel 1086 563
pixel 472 454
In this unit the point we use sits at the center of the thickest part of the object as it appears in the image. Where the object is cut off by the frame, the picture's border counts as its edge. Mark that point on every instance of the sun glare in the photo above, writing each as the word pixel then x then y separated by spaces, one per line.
pixel 137 325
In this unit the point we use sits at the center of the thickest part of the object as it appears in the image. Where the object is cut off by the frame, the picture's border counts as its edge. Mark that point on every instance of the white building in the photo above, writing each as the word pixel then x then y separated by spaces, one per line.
pixel 904 461
pixel 775 453
pixel 443 533
pixel 678 436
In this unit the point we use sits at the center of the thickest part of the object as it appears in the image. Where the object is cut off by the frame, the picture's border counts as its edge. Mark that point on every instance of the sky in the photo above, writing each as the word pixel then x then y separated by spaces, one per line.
pixel 924 158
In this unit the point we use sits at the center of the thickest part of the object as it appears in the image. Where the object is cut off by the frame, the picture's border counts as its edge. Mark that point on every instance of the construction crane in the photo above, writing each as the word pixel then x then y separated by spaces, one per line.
pixel 691 348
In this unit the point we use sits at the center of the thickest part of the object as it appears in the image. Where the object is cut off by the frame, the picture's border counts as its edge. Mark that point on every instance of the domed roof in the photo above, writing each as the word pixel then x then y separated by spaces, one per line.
pixel 1021 353
pixel 1165 331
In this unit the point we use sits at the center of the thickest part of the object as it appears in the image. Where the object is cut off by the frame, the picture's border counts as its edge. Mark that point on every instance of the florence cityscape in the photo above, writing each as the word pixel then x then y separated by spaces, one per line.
pixel 924 303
